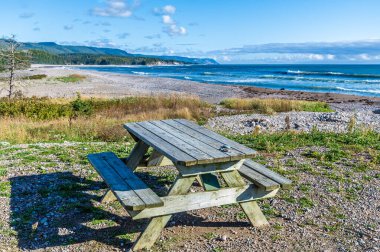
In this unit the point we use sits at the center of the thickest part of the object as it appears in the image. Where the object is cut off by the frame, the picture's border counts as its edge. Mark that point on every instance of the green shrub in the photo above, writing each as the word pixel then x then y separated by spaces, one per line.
pixel 81 107
pixel 35 108
pixel 35 77
pixel 71 78
pixel 44 109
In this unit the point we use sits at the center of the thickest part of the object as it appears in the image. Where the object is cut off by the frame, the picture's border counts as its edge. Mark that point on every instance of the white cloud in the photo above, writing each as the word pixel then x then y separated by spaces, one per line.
pixel 321 52
pixel 170 9
pixel 166 19
pixel 173 30
pixel 116 8
pixel 167 9
pixel 316 57
pixel 171 27
pixel 364 56
pixel 101 43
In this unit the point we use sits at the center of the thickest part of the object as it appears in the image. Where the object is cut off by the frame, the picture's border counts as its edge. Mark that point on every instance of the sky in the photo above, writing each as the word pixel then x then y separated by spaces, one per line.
pixel 230 31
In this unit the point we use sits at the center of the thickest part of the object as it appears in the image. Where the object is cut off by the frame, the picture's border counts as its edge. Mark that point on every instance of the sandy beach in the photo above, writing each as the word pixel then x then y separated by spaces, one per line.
pixel 100 84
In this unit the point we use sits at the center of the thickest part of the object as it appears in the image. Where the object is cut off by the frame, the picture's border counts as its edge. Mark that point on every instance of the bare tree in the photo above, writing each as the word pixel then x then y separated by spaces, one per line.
pixel 12 59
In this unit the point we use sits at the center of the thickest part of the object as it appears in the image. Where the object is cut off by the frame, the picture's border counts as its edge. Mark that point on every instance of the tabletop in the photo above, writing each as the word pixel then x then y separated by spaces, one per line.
pixel 186 143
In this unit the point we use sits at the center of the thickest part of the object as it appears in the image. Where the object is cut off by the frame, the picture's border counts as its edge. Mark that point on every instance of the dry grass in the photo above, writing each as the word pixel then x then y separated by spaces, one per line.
pixel 269 106
pixel 105 124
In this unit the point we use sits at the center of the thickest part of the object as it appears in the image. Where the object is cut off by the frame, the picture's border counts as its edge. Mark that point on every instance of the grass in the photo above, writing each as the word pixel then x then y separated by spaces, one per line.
pixel 71 78
pixel 282 142
pixel 209 235
pixel 5 189
pixel 305 202
pixel 3 171
pixel 270 106
pixel 31 120
pixel 35 77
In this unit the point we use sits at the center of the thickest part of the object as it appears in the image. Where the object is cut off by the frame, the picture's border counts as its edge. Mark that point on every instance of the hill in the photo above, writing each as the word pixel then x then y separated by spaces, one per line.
pixel 53 53
pixel 55 48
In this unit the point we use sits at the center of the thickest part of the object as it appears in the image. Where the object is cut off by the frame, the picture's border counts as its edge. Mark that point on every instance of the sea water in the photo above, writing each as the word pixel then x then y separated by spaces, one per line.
pixel 346 79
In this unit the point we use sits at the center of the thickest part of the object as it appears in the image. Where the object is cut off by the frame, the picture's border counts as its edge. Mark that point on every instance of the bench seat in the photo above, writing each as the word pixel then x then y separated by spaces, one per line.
pixel 262 176
pixel 129 189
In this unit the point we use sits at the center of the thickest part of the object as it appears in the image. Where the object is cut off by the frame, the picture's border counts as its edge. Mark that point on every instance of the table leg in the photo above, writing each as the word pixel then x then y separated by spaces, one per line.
pixel 250 208
pixel 137 155
pixel 157 159
pixel 156 224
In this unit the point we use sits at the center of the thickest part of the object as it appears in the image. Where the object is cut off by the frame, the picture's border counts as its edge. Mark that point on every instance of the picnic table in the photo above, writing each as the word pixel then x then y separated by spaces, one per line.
pixel 198 154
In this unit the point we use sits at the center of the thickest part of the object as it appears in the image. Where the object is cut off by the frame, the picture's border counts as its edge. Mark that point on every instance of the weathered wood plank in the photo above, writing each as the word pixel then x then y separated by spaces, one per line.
pixel 210 182
pixel 208 168
pixel 156 224
pixel 284 182
pixel 176 155
pixel 234 154
pixel 199 200
pixel 258 179
pixel 250 208
pixel 149 197
pixel 249 153
pixel 166 136
pixel 136 155
pixel 218 156
pixel 131 200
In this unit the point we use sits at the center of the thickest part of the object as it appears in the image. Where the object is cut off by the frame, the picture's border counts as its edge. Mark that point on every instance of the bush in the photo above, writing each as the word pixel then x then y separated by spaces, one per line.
pixel 34 108
pixel 44 108
pixel 80 107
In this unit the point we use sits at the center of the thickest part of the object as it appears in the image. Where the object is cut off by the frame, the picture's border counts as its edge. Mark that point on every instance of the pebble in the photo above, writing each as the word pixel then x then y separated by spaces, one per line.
pixel 338 121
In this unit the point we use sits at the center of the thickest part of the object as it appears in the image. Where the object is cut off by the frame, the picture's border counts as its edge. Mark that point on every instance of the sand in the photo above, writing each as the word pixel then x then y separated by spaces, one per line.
pixel 100 84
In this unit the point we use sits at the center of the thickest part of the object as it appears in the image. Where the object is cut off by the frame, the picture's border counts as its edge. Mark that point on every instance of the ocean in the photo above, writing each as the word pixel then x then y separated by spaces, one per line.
pixel 361 80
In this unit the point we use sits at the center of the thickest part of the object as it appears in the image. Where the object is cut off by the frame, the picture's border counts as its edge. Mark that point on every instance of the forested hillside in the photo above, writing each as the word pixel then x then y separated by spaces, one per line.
pixel 42 57
pixel 53 53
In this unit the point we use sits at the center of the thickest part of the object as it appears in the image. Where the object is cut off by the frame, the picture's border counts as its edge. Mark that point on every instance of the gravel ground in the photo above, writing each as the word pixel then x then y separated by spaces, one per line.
pixel 345 115
pixel 49 200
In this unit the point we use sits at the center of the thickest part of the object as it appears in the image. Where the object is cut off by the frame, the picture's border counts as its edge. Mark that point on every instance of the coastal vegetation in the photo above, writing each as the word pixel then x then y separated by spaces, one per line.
pixel 86 119
pixel 71 78
pixel 269 106
pixel 89 119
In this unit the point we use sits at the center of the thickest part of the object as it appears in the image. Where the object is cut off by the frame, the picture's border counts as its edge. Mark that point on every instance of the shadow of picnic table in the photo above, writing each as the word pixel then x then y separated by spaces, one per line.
pixel 55 209
pixel 52 210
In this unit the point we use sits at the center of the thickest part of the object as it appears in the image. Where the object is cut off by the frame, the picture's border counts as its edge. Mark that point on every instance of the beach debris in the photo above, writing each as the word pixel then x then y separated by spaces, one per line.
pixel 256 130
pixel 225 148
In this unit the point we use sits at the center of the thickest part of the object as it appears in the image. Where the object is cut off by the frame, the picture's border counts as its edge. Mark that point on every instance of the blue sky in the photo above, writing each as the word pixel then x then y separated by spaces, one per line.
pixel 231 31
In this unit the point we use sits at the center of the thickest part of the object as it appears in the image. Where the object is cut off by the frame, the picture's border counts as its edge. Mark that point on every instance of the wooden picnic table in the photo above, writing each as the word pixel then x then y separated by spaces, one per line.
pixel 198 154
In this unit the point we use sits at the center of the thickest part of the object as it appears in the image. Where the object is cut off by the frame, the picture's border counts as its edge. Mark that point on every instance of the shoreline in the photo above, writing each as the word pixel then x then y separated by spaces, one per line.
pixel 104 84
